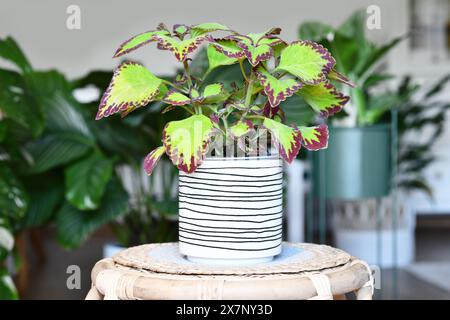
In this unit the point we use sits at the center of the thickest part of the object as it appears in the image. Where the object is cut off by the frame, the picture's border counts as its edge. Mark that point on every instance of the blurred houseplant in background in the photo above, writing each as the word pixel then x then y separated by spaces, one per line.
pixel 362 134
pixel 358 198
pixel 153 208
pixel 56 168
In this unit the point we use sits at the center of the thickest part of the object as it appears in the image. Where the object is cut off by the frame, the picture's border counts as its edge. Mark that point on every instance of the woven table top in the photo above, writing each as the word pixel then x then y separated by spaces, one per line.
pixel 295 258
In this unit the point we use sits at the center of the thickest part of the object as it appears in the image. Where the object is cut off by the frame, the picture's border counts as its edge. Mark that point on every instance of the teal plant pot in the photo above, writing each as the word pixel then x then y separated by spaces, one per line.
pixel 355 165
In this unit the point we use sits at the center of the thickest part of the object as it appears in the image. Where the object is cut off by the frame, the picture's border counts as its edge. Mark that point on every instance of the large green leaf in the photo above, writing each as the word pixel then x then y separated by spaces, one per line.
pixel 218 59
pixel 56 149
pixel 13 196
pixel 61 110
pixel 186 141
pixel 11 51
pixel 277 90
pixel 8 290
pixel 180 48
pixel 6 239
pixel 74 226
pixel 323 98
pixel 23 110
pixel 86 181
pixel 44 200
pixel 132 86
pixel 286 139
pixel 314 138
pixel 307 60
pixel 315 31
pixel 374 55
pixel 138 41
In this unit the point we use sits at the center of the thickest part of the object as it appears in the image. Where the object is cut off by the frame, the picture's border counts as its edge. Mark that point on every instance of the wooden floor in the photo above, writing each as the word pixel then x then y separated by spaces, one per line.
pixel 48 280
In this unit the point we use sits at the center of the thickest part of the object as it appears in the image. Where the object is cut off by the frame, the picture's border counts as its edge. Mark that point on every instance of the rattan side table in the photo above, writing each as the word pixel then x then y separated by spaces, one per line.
pixel 302 271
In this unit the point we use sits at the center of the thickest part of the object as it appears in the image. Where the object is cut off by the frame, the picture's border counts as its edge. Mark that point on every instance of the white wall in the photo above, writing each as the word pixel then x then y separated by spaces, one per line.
pixel 40 26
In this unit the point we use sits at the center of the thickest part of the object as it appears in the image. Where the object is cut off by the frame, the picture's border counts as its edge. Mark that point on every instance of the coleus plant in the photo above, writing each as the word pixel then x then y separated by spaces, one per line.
pixel 272 71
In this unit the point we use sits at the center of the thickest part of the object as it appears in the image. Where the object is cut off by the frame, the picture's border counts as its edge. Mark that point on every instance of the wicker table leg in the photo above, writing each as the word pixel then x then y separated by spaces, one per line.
pixel 365 293
pixel 94 294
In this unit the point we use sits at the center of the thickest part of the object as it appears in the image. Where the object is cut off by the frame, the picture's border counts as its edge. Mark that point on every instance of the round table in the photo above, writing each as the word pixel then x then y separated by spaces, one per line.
pixel 301 271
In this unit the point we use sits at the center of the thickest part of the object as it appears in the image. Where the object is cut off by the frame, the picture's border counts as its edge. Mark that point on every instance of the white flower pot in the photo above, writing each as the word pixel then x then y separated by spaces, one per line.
pixel 230 210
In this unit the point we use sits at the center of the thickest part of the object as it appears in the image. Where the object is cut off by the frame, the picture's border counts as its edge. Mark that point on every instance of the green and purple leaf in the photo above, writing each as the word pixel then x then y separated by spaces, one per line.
pixel 314 138
pixel 200 29
pixel 218 59
pixel 229 48
pixel 307 60
pixel 132 86
pixel 339 77
pixel 323 98
pixel 215 93
pixel 176 98
pixel 286 139
pixel 180 48
pixel 241 128
pixel 277 90
pixel 186 141
pixel 180 30
pixel 138 41
pixel 152 159
pixel 195 95
pixel 256 54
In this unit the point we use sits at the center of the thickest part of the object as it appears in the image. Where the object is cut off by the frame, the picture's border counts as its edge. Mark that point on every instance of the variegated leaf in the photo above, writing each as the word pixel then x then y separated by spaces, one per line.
pixel 180 48
pixel 162 92
pixel 271 41
pixel 336 75
pixel 241 128
pixel 186 141
pixel 138 41
pixel 180 30
pixel 152 159
pixel 324 98
pixel 286 139
pixel 307 60
pixel 277 90
pixel 218 59
pixel 229 48
pixel 256 54
pixel 214 93
pixel 132 86
pixel 176 98
pixel 167 109
pixel 195 95
pixel 200 29
pixel 314 138
pixel 256 38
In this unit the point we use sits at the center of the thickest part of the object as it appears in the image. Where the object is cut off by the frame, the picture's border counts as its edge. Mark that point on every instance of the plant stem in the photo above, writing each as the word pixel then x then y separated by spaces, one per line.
pixel 173 85
pixel 257 117
pixel 248 95
pixel 225 125
pixel 241 65
pixel 188 110
pixel 188 75
pixel 206 74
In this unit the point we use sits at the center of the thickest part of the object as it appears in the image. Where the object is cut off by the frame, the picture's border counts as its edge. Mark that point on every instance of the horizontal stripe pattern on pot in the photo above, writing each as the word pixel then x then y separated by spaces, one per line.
pixel 232 208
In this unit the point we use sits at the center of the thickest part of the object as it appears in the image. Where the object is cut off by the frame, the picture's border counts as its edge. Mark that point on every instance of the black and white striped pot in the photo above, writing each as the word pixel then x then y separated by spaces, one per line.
pixel 230 210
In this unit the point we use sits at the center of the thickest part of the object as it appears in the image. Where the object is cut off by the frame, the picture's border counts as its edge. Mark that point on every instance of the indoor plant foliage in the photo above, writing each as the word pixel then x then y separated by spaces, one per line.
pixel 273 70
